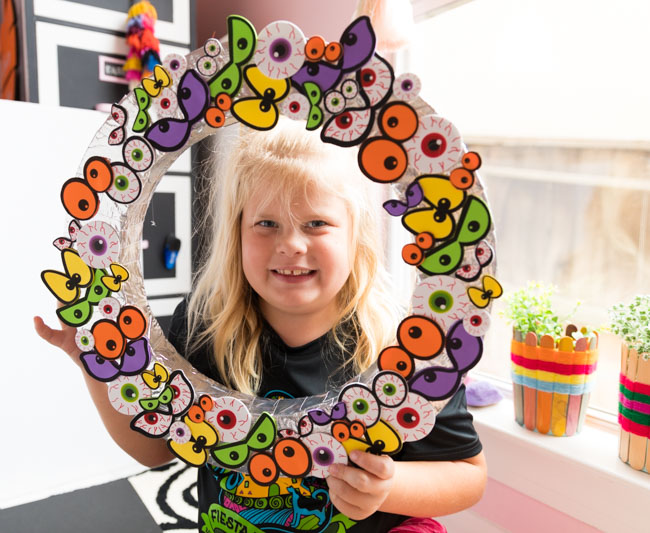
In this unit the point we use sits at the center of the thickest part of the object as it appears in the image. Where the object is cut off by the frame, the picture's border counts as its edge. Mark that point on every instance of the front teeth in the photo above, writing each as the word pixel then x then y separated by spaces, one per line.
pixel 293 272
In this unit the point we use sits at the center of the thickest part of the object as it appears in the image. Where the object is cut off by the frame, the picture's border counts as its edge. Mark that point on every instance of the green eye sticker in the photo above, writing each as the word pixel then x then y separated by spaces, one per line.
pixel 261 437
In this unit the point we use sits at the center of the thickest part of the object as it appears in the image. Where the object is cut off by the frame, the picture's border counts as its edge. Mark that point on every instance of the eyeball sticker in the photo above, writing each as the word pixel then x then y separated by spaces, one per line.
pixel 295 106
pixel 176 65
pixel 360 404
pixel 84 340
pixel 476 322
pixel 442 298
pixel 413 419
pixel 352 95
pixel 125 394
pixel 118 114
pixel 280 50
pixel 167 104
pixel 98 244
pixel 436 147
pixel 407 87
pixel 325 451
pixel 230 417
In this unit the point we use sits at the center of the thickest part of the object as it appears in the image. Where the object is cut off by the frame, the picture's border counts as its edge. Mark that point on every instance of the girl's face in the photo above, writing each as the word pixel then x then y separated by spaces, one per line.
pixel 297 262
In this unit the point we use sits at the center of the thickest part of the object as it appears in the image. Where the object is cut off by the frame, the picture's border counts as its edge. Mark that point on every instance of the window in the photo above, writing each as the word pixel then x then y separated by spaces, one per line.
pixel 554 96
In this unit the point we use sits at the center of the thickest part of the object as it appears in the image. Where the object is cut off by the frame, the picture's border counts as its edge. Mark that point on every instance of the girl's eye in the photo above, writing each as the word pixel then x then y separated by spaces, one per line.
pixel 316 224
pixel 266 224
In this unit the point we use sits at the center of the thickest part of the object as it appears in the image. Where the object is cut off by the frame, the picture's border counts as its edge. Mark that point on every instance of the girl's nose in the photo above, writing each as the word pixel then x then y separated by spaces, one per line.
pixel 291 241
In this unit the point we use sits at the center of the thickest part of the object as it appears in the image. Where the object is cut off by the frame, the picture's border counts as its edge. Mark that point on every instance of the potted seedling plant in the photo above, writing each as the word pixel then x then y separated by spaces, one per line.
pixel 631 322
pixel 552 365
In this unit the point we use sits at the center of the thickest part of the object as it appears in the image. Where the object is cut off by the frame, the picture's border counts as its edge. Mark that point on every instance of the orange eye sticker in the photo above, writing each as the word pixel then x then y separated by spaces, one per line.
pixel 420 336
pixel 132 322
pixel 395 359
pixel 109 341
pixel 292 456
pixel 79 196
pixel 262 469
pixel 315 48
pixel 382 160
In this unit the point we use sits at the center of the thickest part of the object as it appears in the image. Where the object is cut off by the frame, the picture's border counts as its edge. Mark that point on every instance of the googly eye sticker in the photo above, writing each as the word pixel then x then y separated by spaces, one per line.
pixel 477 322
pixel 180 432
pixel 166 104
pixel 176 65
pixel 126 186
pixel 325 451
pixel 280 50
pixel 435 147
pixel 413 419
pixel 442 298
pixel 407 87
pixel 212 47
pixel 390 388
pixel 125 394
pixel 98 244
pixel 84 340
pixel 109 307
pixel 305 426
pixel 207 66
pixel 295 106
pixel 360 404
pixel 230 417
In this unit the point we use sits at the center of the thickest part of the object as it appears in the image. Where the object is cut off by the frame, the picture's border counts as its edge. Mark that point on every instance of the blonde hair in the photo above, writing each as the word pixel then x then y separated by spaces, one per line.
pixel 223 311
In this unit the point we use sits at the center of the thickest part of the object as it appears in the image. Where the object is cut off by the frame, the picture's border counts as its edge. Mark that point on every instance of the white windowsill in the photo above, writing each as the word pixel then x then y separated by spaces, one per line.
pixel 581 475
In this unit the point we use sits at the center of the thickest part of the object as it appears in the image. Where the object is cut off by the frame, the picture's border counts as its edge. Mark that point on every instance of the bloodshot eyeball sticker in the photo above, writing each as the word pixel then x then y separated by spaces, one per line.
pixel 351 93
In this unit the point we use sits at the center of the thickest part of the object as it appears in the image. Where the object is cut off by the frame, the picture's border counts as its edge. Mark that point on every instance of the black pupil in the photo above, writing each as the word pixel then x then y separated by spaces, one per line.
pixel 441 302
pixel 226 84
pixel 77 313
pixel 445 260
pixel 225 419
pixel 415 332
pixel 392 122
pixel 279 50
pixel 288 451
pixel 98 290
pixel 185 93
pixel 350 39
pixel 261 438
pixel 473 226
pixel 98 244
pixel 127 320
pixel 267 472
pixel 83 205
pixel 111 345
pixel 234 456
pixel 455 343
pixel 242 43
pixel 434 144
pixel 401 365
pixel 390 163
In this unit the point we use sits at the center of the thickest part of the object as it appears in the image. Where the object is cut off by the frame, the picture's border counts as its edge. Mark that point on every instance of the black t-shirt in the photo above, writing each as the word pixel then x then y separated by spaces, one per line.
pixel 233 502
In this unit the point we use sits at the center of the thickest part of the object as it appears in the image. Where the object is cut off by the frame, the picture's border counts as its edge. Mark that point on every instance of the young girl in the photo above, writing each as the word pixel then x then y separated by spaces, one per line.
pixel 292 301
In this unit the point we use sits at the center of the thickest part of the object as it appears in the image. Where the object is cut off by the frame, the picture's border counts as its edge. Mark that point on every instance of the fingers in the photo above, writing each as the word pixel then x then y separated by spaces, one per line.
pixel 381 466
pixel 53 336
pixel 359 492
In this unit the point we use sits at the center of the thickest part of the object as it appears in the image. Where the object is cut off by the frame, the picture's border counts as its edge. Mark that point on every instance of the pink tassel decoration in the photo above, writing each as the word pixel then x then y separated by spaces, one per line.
pixel 144 48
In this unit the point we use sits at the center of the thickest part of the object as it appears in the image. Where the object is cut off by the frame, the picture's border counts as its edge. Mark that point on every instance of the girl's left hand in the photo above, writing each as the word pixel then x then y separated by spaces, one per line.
pixel 359 492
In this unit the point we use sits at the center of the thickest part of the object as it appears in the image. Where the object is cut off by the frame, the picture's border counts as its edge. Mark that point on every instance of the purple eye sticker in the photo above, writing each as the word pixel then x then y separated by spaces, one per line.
pixel 407 87
pixel 98 244
pixel 280 50
pixel 325 451
pixel 413 196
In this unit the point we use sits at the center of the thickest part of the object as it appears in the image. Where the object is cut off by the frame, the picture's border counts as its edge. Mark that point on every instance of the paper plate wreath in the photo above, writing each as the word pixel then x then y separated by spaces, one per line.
pixel 351 93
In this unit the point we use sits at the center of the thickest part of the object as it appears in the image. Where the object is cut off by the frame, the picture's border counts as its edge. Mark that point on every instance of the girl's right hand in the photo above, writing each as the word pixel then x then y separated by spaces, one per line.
pixel 61 338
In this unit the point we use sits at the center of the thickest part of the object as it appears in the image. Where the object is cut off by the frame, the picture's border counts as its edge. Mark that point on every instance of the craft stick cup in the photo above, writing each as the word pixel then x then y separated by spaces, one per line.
pixel 552 381
pixel 634 409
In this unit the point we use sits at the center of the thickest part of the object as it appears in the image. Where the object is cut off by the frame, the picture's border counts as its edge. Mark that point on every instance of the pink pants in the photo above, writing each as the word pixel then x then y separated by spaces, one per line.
pixel 419 525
